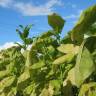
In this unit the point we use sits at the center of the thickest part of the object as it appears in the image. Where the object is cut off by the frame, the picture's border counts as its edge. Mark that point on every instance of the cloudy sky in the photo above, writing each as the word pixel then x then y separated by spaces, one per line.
pixel 16 12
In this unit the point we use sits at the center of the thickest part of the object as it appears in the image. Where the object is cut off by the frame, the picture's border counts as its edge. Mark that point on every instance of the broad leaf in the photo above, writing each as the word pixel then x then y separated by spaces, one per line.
pixel 56 22
pixel 68 48
pixel 64 59
pixel 88 17
pixel 84 65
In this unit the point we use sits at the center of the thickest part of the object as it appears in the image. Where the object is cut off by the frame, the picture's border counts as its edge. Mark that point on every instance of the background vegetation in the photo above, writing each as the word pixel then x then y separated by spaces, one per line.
pixel 53 66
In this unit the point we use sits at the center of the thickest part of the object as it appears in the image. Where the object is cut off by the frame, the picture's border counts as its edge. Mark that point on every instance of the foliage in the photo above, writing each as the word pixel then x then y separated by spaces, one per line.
pixel 53 66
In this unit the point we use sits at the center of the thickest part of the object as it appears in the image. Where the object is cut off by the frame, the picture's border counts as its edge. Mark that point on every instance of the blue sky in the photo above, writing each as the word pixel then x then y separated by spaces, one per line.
pixel 16 12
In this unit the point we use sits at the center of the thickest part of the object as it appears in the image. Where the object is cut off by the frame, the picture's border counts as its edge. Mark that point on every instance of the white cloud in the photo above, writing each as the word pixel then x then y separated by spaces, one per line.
pixel 30 9
pixel 5 3
pixel 7 45
pixel 51 3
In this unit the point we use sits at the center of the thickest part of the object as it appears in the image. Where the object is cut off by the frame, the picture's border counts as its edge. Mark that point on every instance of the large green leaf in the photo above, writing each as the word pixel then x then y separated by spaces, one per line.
pixel 84 65
pixel 68 48
pixel 88 17
pixel 56 22
pixel 64 59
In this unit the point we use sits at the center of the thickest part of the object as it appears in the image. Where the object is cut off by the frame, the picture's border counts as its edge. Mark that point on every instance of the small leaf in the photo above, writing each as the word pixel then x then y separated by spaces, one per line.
pixel 56 22
pixel 20 34
pixel 26 31
pixel 21 26
pixel 38 65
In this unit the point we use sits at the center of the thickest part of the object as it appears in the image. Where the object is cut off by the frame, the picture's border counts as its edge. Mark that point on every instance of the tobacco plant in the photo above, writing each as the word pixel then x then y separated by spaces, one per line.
pixel 53 66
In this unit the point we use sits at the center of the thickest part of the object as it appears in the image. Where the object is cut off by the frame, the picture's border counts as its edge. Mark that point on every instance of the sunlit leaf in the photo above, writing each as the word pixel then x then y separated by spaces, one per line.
pixel 64 59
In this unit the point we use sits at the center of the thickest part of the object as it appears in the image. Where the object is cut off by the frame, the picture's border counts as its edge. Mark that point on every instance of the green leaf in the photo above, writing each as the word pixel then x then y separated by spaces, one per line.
pixel 28 40
pixel 56 84
pixel 24 76
pixel 68 48
pixel 21 26
pixel 87 87
pixel 26 31
pixel 3 73
pixel 88 17
pixel 46 34
pixel 92 30
pixel 47 92
pixel 2 94
pixel 64 59
pixel 28 90
pixel 20 34
pixel 70 78
pixel 84 65
pixel 91 43
pixel 56 22
pixel 38 65
pixel 6 82
pixel 66 39
pixel 12 92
